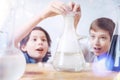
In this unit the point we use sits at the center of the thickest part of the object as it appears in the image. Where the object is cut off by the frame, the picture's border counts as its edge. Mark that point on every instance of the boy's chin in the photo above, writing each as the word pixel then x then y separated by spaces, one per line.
pixel 97 54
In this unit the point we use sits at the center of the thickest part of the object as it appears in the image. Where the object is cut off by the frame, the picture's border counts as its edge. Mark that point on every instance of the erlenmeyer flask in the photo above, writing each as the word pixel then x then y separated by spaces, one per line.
pixel 69 56
pixel 113 58
pixel 12 60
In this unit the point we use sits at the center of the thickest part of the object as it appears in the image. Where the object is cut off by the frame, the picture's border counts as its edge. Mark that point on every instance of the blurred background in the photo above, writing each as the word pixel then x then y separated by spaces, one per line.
pixel 17 12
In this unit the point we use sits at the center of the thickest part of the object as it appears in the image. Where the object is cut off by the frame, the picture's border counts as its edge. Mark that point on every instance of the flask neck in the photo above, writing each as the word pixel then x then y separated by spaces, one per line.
pixel 69 22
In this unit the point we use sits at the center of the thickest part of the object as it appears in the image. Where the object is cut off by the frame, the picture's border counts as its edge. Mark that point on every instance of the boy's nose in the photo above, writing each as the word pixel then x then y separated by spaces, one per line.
pixel 96 41
pixel 40 42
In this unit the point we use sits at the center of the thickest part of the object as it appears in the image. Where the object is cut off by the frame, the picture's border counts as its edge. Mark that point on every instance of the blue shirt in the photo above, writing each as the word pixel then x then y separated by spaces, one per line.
pixel 32 60
pixel 29 59
pixel 100 57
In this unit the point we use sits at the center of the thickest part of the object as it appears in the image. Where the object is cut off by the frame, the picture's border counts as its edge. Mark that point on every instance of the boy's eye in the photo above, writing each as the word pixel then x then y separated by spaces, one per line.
pixel 103 38
pixel 92 36
pixel 44 40
pixel 34 39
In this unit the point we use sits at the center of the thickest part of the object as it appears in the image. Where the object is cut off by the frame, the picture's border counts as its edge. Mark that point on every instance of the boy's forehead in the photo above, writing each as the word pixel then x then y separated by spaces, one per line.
pixel 37 33
pixel 99 32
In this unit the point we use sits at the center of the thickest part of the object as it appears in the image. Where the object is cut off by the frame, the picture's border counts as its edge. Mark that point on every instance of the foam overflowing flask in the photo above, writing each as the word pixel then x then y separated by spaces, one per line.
pixel 69 56
pixel 113 58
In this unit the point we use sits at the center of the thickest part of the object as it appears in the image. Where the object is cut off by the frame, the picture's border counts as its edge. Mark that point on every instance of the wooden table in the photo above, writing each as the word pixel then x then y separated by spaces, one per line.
pixel 46 72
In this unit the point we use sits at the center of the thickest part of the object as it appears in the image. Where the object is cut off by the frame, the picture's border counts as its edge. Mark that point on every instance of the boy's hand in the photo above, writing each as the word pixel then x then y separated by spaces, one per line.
pixel 60 8
pixel 75 8
pixel 56 8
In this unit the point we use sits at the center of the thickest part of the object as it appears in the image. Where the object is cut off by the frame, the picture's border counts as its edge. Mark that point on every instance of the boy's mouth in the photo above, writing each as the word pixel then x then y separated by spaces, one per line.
pixel 97 49
pixel 41 49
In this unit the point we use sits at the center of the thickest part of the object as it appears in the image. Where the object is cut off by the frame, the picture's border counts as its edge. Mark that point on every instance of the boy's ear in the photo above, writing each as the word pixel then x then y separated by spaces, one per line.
pixel 23 48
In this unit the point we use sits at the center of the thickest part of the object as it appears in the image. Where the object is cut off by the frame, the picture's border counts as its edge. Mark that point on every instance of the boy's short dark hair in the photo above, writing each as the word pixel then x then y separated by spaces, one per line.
pixel 105 24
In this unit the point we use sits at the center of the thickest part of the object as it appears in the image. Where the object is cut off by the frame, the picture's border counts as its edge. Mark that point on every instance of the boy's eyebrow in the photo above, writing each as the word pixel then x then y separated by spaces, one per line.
pixel 44 37
pixel 33 36
pixel 103 34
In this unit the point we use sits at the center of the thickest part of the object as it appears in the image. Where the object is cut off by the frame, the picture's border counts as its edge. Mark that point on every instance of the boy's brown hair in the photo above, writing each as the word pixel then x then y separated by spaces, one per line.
pixel 103 23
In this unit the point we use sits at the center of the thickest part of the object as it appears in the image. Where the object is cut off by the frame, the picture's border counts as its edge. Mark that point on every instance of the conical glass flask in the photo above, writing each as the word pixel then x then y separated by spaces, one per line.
pixel 69 56
pixel 12 61
pixel 113 58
